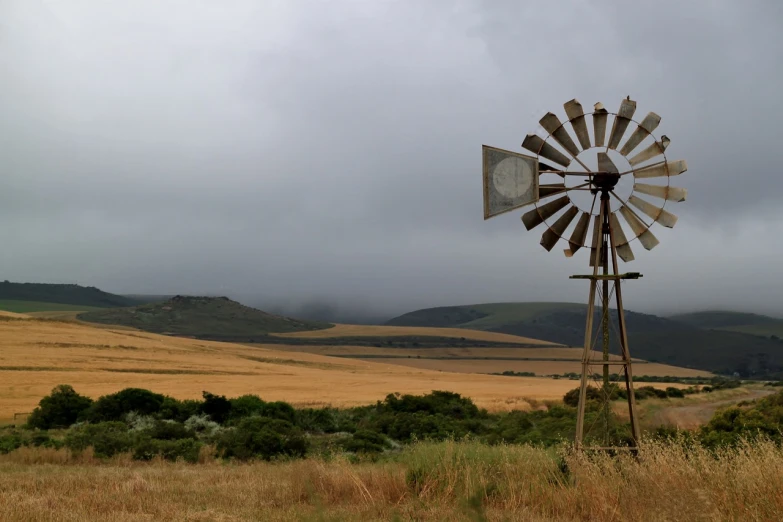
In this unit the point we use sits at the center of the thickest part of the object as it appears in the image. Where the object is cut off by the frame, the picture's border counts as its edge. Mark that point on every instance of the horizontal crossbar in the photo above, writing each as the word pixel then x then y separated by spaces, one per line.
pixel 608 277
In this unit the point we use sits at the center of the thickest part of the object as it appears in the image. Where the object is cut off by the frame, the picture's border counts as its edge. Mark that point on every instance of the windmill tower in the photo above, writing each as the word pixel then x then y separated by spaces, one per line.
pixel 578 195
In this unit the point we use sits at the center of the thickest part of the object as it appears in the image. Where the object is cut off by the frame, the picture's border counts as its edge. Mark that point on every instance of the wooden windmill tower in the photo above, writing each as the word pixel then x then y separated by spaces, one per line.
pixel 513 180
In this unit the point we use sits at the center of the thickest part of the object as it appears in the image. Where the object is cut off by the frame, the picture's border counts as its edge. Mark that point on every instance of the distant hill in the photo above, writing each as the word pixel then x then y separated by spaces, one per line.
pixel 65 294
pixel 656 339
pixel 217 318
pixel 754 324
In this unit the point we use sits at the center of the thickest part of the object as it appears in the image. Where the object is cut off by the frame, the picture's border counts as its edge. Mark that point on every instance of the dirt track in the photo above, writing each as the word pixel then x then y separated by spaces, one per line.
pixel 694 415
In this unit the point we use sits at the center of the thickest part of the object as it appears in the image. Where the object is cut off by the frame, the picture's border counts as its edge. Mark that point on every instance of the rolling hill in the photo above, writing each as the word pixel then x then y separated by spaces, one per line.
pixel 215 318
pixel 754 324
pixel 652 338
pixel 43 296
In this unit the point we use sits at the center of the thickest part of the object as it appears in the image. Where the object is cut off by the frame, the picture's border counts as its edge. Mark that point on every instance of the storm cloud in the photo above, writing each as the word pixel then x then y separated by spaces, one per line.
pixel 291 152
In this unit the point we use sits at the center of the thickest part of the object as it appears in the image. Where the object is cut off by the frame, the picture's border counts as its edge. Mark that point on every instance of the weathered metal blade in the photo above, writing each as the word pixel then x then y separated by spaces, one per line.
pixel 640 230
pixel 535 217
pixel 595 251
pixel 669 168
pixel 654 150
pixel 660 215
pixel 536 144
pixel 621 121
pixel 663 192
pixel 552 125
pixel 605 163
pixel 550 237
pixel 644 129
pixel 579 234
pixel 550 189
pixel 600 114
pixel 576 114
pixel 544 166
pixel 620 241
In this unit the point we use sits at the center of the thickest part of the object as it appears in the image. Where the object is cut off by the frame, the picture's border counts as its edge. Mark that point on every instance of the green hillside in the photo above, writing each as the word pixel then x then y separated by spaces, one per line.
pixel 217 318
pixel 754 324
pixel 76 295
pixel 653 338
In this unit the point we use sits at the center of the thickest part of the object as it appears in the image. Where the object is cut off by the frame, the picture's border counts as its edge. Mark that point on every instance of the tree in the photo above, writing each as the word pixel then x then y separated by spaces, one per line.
pixel 61 408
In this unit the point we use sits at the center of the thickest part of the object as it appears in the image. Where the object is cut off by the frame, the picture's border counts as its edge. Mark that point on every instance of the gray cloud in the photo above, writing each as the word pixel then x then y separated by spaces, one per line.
pixel 292 152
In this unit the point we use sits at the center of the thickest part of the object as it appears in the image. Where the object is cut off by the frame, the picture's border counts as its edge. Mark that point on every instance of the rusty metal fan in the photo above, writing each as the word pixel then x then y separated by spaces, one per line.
pixel 604 179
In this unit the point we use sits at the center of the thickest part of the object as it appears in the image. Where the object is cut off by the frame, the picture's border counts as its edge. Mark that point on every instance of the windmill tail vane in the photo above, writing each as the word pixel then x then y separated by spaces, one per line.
pixel 563 167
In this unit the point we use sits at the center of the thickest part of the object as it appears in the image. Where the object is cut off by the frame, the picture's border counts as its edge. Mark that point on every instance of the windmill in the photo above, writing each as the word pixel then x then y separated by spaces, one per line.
pixel 554 180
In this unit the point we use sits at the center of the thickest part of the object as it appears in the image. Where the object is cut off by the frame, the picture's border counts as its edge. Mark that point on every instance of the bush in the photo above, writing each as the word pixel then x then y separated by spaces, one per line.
pixel 216 406
pixel 180 411
pixel 106 438
pixel 116 406
pixel 365 441
pixel 186 449
pixel 262 437
pixel 9 442
pixel 61 408
pixel 170 430
pixel 674 392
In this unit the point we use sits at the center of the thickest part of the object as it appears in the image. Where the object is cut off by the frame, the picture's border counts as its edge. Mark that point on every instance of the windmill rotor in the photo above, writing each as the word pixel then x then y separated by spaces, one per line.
pixel 642 209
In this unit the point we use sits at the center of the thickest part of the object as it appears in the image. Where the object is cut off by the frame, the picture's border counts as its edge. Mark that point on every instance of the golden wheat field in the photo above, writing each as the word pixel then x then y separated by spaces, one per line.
pixel 356 330
pixel 534 353
pixel 537 367
pixel 37 355
pixel 426 482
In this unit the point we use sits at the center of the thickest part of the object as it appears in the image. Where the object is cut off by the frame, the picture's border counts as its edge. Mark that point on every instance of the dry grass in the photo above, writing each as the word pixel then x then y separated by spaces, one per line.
pixel 538 353
pixel 356 330
pixel 446 481
pixel 35 356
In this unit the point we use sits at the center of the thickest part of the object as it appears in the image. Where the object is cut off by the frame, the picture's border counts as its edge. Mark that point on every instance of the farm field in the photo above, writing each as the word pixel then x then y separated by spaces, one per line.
pixel 352 330
pixel 553 367
pixel 36 355
pixel 12 305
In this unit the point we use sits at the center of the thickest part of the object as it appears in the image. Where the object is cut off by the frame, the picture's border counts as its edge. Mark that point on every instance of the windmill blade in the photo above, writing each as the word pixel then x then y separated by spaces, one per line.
pixel 536 144
pixel 550 189
pixel 621 121
pixel 579 235
pixel 644 129
pixel 595 251
pixel 660 215
pixel 550 237
pixel 670 168
pixel 552 125
pixel 668 193
pixel 620 242
pixel 640 230
pixel 605 163
pixel 654 150
pixel 535 217
pixel 599 123
pixel 575 113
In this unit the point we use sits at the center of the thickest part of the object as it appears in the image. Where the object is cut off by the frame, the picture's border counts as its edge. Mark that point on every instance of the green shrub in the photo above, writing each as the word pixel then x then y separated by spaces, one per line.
pixel 9 442
pixel 674 392
pixel 365 441
pixel 216 406
pixel 106 438
pixel 180 411
pixel 186 449
pixel 262 437
pixel 61 408
pixel 170 430
pixel 116 406
pixel 320 420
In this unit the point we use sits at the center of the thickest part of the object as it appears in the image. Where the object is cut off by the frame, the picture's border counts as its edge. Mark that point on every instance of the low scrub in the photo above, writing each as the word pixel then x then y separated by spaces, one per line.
pixel 147 425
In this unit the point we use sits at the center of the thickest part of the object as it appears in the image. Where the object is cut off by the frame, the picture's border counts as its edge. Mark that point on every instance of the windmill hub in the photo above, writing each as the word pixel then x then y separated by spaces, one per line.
pixel 604 181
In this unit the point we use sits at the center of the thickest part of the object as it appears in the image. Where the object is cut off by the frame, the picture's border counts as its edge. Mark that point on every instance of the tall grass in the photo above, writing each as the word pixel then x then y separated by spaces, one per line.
pixel 426 481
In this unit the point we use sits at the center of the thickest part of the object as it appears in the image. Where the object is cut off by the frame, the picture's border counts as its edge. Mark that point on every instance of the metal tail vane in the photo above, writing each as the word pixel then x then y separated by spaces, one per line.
pixel 513 180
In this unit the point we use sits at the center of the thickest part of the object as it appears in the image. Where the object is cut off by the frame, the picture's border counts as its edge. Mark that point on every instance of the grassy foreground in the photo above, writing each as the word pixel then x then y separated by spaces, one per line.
pixel 426 481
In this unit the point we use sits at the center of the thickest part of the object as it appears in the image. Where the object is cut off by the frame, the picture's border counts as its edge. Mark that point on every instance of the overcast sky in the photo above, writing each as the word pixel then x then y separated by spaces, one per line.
pixel 290 151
